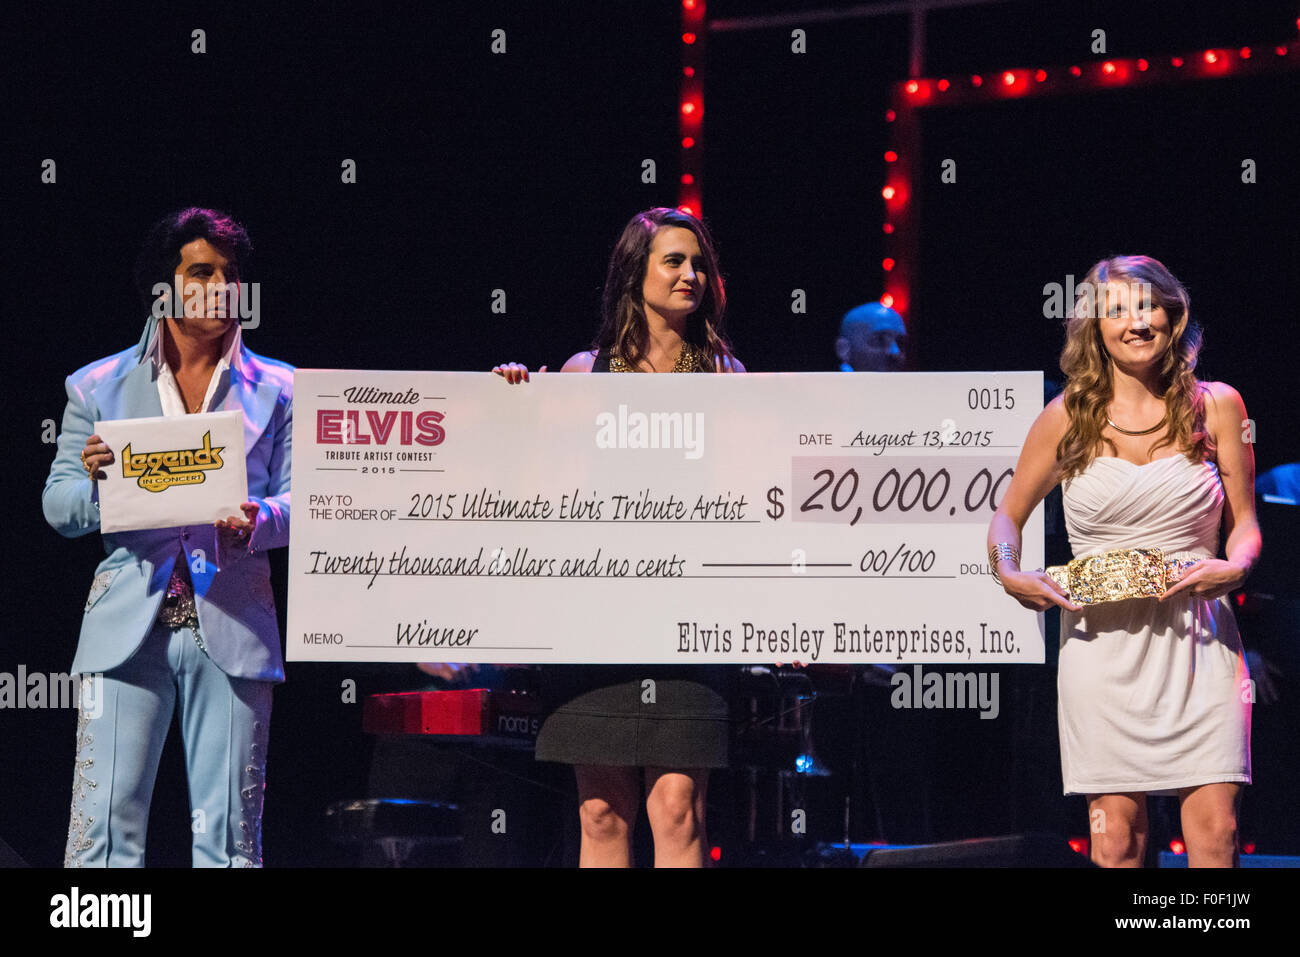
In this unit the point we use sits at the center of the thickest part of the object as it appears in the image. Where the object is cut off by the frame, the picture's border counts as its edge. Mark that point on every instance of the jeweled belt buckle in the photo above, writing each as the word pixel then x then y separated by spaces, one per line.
pixel 178 609
pixel 1119 574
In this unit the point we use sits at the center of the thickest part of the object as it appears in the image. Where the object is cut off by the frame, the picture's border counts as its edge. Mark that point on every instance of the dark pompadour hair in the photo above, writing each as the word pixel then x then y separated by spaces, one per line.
pixel 161 253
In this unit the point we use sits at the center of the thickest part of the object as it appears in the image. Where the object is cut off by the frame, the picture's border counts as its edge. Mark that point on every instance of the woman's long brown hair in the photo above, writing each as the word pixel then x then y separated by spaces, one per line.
pixel 623 330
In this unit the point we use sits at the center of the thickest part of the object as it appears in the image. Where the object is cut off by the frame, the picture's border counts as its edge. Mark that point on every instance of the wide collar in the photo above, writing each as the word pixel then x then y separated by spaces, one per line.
pixel 134 393
pixel 231 355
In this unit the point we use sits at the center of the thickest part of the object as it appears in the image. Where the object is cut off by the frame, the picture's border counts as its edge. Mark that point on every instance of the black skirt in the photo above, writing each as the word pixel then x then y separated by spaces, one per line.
pixel 609 715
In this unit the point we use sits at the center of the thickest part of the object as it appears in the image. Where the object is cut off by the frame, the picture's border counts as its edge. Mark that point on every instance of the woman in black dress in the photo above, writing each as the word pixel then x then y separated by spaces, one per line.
pixel 661 312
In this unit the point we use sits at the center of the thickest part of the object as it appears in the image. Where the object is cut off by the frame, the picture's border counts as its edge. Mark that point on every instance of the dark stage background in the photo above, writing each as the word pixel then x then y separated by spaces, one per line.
pixel 477 172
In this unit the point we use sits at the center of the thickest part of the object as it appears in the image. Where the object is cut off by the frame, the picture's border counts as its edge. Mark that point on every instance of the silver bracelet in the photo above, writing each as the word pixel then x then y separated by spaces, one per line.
pixel 1000 551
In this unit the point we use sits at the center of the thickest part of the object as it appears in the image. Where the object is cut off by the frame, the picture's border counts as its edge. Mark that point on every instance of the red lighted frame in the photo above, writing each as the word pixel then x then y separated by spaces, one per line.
pixel 910 97
pixel 690 105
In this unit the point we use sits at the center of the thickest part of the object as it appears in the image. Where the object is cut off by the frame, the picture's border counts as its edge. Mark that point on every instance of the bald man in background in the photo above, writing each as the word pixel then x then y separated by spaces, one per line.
pixel 872 339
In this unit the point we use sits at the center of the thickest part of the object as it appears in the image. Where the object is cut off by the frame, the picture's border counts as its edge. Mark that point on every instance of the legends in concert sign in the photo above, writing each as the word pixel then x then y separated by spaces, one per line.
pixel 819 517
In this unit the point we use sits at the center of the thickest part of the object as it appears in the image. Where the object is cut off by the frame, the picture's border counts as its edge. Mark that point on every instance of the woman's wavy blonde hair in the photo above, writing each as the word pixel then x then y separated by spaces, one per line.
pixel 1089 385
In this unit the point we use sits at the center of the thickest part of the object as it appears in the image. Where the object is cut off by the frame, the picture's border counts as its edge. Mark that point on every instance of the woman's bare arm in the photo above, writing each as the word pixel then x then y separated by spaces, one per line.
pixel 1225 418
pixel 581 362
pixel 1036 474
pixel 1237 471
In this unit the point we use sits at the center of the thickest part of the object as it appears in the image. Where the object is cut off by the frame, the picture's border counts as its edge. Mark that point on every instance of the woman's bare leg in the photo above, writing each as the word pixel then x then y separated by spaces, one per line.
pixel 675 803
pixel 608 798
pixel 1209 815
pixel 1118 826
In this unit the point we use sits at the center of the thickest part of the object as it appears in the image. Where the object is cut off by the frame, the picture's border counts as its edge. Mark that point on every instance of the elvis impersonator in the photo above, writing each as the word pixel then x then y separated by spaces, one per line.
pixel 178 617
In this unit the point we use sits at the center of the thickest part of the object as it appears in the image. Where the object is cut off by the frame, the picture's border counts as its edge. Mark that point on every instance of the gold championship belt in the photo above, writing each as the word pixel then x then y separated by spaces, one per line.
pixel 1119 574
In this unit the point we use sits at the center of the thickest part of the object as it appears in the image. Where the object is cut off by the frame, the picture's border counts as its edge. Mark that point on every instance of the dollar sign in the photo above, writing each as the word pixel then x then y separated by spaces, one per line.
pixel 776 509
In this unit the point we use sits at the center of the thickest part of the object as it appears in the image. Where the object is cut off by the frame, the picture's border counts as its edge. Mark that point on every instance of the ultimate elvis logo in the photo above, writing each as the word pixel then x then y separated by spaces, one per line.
pixel 379 426
pixel 159 471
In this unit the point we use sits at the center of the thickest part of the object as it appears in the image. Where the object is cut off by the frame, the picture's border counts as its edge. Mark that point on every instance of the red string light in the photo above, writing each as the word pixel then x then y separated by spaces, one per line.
pixel 691 101
pixel 917 92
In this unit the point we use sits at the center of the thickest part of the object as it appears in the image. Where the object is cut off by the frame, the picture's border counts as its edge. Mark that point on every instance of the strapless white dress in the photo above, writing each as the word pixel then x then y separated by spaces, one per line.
pixel 1151 696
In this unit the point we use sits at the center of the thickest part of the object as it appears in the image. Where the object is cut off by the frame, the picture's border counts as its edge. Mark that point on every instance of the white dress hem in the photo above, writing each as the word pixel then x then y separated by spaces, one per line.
pixel 1159 788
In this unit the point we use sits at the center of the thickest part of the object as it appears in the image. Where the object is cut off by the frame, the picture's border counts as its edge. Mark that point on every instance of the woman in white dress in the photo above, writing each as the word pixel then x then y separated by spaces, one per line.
pixel 1154 696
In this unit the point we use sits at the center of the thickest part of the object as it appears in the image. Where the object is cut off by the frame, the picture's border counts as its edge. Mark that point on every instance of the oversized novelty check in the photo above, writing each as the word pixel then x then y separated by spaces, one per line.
pixel 818 517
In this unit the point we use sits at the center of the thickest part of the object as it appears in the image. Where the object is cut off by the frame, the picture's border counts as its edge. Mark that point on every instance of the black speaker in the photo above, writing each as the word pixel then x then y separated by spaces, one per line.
pixel 1015 850
pixel 9 857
